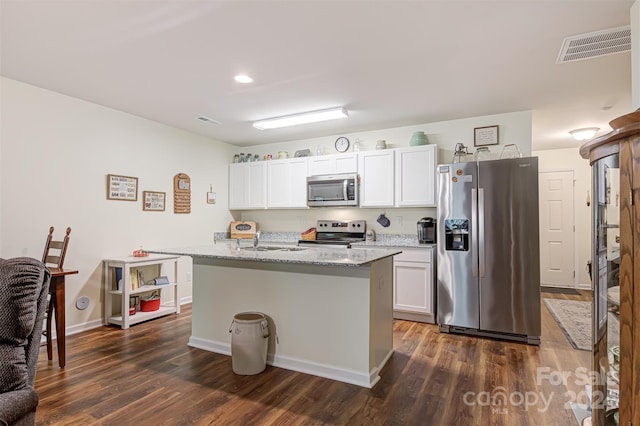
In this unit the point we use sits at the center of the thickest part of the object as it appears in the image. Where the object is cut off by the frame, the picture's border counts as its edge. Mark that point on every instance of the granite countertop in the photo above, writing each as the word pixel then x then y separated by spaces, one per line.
pixel 394 242
pixel 382 240
pixel 284 253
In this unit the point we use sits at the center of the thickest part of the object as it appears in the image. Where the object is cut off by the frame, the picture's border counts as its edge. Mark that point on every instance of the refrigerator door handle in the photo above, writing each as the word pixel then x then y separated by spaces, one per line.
pixel 474 231
pixel 480 224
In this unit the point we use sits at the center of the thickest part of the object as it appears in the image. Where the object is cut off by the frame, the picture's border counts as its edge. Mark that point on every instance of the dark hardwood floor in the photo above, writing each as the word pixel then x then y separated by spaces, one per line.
pixel 148 375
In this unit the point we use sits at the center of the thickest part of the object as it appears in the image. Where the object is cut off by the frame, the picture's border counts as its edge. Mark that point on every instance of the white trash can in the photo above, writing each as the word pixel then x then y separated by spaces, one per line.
pixel 249 333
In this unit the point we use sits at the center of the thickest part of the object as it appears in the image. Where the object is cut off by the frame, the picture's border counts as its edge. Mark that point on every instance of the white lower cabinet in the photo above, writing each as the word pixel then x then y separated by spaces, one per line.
pixel 413 281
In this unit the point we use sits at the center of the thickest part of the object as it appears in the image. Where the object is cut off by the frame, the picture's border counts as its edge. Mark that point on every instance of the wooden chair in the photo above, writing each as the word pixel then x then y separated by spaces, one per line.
pixel 53 258
pixel 55 251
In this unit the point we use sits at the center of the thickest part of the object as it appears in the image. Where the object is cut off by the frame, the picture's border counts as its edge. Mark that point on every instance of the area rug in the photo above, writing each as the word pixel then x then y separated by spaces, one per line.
pixel 574 319
pixel 562 290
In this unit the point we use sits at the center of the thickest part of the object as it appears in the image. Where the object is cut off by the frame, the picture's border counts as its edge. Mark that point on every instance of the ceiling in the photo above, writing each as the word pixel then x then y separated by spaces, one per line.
pixel 391 63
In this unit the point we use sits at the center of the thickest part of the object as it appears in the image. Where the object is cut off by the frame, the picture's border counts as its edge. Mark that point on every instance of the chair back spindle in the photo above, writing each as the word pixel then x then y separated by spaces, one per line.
pixel 55 251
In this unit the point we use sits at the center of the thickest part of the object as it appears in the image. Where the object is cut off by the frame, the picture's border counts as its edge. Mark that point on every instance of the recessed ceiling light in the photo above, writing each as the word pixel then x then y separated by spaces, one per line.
pixel 243 78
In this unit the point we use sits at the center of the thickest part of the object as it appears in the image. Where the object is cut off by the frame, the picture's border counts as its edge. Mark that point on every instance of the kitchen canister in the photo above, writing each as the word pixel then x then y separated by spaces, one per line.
pixel 249 342
pixel 510 151
pixel 482 154
pixel 418 138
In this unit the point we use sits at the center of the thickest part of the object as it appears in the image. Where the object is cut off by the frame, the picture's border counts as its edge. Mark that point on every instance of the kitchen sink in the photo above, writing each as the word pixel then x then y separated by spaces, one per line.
pixel 272 248
pixel 259 248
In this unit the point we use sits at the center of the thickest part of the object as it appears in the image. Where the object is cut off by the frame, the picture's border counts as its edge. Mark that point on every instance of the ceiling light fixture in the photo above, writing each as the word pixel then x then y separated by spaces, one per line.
pixel 302 118
pixel 584 134
pixel 243 78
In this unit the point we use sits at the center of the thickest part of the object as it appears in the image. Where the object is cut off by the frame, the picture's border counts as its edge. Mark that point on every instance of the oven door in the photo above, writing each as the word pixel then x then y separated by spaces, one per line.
pixel 332 190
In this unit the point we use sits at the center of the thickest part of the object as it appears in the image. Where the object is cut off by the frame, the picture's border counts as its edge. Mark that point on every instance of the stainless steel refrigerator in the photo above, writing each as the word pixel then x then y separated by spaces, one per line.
pixel 488 249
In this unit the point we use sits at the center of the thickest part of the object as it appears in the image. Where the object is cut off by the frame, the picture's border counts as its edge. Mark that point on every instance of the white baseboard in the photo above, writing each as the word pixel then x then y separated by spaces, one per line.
pixel 78 328
pixel 411 316
pixel 367 380
pixel 74 329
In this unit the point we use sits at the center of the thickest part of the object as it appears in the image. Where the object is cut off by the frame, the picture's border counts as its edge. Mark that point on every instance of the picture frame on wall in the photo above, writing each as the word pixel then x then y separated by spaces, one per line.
pixel 153 201
pixel 484 136
pixel 122 188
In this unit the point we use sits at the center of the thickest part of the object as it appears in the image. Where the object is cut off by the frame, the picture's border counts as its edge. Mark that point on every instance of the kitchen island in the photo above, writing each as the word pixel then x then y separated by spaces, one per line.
pixel 329 309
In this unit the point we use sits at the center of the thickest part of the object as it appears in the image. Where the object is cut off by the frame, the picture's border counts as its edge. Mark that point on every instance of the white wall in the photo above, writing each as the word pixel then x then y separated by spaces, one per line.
pixel 514 128
pixel 569 159
pixel 635 55
pixel 55 154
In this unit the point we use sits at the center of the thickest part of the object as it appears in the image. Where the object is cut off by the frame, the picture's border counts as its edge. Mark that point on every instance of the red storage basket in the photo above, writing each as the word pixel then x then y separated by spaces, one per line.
pixel 150 305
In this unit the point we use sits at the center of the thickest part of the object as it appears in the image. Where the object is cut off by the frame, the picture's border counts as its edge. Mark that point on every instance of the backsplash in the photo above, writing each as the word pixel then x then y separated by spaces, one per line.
pixel 402 220
pixel 400 240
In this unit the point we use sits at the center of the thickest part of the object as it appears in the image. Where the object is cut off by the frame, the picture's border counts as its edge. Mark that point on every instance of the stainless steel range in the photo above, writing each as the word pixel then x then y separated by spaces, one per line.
pixel 338 232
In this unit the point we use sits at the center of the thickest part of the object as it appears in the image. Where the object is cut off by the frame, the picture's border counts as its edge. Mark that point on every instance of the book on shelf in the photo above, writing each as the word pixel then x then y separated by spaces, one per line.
pixel 117 279
pixel 137 279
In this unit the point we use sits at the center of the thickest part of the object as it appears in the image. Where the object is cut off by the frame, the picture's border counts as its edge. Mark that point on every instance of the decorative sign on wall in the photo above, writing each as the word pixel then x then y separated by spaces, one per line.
pixel 487 135
pixel 153 201
pixel 211 196
pixel 124 188
pixel 181 193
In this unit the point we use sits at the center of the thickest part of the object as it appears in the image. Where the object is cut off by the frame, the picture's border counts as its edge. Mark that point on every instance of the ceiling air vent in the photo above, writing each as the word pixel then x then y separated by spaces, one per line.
pixel 597 43
pixel 207 119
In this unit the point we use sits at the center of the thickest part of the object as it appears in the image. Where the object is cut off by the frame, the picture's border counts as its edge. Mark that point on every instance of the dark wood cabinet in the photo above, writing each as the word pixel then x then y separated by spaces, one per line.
pixel 616 262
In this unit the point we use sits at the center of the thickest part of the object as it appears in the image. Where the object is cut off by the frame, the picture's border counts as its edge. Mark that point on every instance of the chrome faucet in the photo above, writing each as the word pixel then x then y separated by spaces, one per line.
pixel 256 239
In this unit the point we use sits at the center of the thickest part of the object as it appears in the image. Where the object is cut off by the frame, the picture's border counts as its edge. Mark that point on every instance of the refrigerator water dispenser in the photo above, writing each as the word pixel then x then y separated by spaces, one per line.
pixel 456 233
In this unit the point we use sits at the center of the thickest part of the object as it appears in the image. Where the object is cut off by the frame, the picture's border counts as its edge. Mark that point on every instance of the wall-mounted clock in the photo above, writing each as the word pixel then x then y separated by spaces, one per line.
pixel 342 144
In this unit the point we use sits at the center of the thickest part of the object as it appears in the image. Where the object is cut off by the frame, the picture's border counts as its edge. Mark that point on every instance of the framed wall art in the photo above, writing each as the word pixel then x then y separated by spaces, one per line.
pixel 483 136
pixel 153 201
pixel 123 188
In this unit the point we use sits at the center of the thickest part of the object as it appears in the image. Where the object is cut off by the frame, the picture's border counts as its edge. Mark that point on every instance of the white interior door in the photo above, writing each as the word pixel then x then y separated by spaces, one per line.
pixel 557 228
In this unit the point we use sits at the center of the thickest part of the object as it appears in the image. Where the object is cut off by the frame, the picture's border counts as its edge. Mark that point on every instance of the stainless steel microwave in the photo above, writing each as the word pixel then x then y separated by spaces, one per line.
pixel 332 190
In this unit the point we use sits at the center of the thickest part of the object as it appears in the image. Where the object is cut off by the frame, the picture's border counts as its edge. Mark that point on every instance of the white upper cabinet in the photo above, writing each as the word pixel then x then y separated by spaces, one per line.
pixel 334 163
pixel 287 183
pixel 401 177
pixel 415 184
pixel 376 170
pixel 248 186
